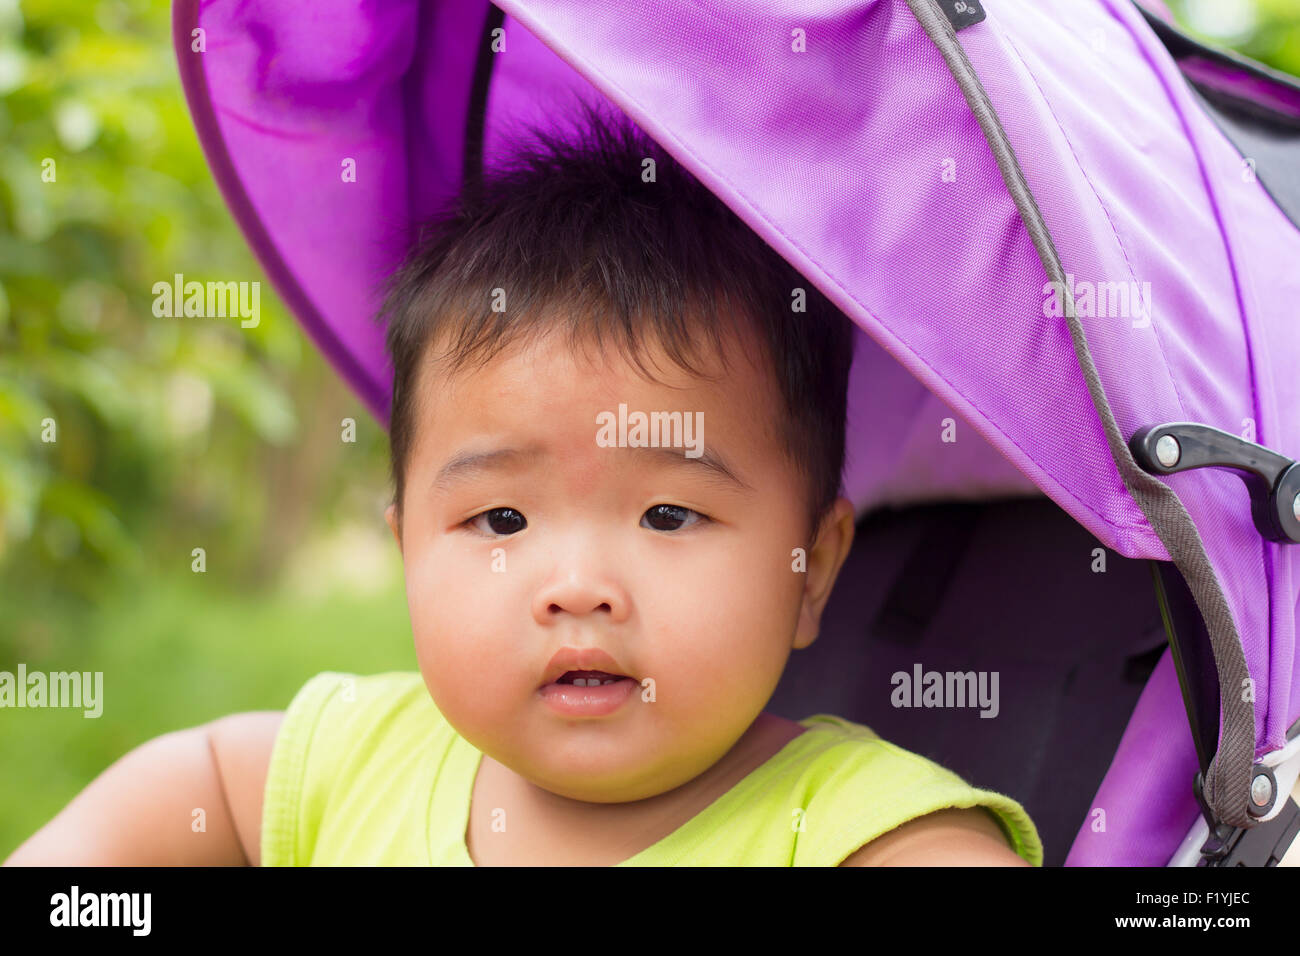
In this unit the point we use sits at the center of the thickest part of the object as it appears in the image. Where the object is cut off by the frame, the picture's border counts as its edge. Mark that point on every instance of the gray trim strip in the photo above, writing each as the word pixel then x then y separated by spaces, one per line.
pixel 1226 787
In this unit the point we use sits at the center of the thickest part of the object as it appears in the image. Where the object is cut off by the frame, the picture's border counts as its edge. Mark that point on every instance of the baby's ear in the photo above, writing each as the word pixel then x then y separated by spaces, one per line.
pixel 390 515
pixel 834 539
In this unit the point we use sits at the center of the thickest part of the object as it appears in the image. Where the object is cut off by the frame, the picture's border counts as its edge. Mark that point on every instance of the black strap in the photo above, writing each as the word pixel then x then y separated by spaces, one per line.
pixel 918 591
pixel 476 115
pixel 1193 656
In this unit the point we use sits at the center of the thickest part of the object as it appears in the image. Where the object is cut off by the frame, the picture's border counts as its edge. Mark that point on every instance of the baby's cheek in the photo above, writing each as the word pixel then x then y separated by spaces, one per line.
pixel 462 672
pixel 705 655
pixel 443 620
pixel 446 589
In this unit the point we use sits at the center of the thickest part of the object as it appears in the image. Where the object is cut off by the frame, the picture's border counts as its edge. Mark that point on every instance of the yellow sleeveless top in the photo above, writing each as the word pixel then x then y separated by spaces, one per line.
pixel 366 771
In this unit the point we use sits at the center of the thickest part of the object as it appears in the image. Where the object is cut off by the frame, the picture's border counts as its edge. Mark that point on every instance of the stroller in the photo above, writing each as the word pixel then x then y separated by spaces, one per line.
pixel 1068 236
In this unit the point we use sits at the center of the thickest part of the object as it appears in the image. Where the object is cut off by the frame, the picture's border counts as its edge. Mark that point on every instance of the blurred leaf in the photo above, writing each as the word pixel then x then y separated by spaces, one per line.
pixel 92 514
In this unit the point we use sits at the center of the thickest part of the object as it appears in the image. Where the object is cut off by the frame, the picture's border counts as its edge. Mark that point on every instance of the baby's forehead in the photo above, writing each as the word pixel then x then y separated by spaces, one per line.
pixel 726 356
pixel 550 389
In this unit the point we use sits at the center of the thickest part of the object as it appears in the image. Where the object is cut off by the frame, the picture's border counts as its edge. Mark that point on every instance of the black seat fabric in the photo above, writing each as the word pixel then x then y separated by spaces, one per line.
pixel 1005 586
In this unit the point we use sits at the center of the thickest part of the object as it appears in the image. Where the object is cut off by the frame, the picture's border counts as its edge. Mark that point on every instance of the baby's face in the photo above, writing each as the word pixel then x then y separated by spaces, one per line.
pixel 523 534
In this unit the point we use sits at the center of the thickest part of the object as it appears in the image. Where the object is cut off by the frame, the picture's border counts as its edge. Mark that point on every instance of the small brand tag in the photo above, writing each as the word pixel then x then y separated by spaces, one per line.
pixel 963 13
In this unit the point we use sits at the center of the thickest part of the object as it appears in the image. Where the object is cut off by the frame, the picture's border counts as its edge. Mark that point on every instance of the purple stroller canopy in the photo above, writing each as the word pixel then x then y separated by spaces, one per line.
pixel 934 183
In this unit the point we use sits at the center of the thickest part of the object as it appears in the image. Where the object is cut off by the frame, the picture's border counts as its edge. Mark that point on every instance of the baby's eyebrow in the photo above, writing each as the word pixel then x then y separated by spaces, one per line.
pixel 465 464
pixel 709 459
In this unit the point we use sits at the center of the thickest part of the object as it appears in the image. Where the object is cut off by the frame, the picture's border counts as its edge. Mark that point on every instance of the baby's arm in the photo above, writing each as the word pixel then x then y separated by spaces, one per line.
pixel 141 810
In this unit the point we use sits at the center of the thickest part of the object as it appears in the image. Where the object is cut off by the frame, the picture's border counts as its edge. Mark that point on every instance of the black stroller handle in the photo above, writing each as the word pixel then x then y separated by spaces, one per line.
pixel 1273 480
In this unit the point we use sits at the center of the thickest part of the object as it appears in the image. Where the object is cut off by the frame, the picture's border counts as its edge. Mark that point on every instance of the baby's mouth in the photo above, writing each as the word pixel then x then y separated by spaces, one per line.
pixel 588 693
pixel 589 678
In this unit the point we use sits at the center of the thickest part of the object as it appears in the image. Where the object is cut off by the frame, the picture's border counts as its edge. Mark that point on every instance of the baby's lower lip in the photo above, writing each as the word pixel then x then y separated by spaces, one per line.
pixel 599 701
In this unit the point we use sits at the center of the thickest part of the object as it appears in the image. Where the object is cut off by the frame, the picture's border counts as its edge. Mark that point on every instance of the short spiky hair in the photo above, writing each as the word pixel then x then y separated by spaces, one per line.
pixel 579 235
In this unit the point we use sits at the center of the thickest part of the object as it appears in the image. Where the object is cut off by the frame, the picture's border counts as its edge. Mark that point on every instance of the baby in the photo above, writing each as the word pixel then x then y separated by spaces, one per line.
pixel 617 435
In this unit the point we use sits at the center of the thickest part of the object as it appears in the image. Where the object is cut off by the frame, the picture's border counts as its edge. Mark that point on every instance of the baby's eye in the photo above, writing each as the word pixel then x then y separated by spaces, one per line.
pixel 499 521
pixel 669 518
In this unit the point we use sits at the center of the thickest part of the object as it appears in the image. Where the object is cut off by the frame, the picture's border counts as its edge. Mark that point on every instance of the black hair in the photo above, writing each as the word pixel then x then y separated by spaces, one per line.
pixel 583 231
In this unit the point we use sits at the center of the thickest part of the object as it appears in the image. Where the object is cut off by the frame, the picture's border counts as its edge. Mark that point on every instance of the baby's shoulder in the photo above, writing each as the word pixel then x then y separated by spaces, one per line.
pixel 953 836
pixel 241 747
pixel 890 802
pixel 350 711
pixel 345 737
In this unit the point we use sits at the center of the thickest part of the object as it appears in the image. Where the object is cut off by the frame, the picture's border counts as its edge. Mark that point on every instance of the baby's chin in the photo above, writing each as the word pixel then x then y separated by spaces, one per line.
pixel 626 781
pixel 589 763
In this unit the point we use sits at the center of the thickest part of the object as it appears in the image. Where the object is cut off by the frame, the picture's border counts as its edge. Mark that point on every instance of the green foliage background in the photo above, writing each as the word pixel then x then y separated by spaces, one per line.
pixel 173 435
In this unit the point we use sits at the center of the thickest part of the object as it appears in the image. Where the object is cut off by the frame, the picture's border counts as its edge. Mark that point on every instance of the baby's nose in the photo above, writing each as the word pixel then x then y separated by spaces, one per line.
pixel 581 590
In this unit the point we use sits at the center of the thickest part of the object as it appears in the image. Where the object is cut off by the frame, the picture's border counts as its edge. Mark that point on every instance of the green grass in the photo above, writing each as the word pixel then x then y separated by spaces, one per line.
pixel 173 655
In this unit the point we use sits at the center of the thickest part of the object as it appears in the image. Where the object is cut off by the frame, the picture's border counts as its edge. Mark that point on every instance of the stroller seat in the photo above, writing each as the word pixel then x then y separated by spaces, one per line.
pixel 1004 586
